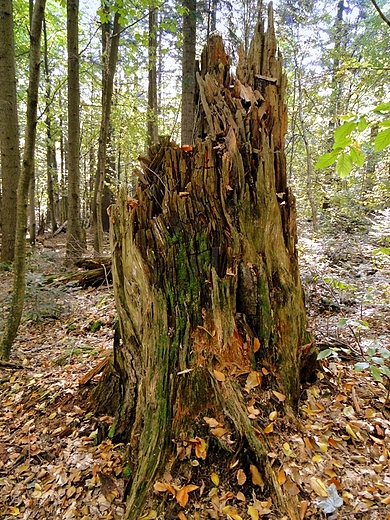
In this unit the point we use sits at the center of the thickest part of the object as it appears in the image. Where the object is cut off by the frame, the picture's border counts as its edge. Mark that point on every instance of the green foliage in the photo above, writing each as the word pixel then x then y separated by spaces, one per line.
pixel 375 361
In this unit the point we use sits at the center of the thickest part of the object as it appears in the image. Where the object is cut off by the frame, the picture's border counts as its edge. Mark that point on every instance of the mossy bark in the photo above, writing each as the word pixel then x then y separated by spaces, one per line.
pixel 206 275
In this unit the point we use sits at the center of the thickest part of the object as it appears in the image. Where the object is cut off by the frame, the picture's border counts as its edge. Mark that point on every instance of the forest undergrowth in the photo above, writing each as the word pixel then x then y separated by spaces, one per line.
pixel 57 459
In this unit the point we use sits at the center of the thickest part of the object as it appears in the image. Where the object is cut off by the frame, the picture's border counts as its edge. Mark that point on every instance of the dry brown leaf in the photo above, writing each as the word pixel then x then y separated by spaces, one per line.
pixel 254 379
pixel 282 477
pixel 265 371
pixel 160 486
pixel 291 488
pixel 241 497
pixel 150 515
pixel 256 344
pixel 273 415
pixel 257 479
pixel 182 496
pixel 318 487
pixel 253 513
pixel 303 505
pixel 386 500
pixel 269 428
pixel 227 496
pixel 213 423
pixel 228 510
pixel 241 477
pixel 279 396
pixel 181 515
pixel 219 376
pixel 218 432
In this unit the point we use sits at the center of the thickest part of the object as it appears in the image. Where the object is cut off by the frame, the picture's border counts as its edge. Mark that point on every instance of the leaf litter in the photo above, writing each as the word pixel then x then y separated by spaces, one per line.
pixel 332 459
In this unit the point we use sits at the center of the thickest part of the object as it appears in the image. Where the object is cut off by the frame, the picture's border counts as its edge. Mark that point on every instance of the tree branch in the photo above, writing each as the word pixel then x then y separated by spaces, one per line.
pixel 384 18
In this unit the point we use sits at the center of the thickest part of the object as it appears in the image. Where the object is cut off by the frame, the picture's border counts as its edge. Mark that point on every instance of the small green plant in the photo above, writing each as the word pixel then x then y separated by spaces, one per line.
pixel 375 362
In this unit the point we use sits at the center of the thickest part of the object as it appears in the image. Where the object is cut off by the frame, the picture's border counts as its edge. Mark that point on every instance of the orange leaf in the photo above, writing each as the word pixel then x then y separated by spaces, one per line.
pixel 181 515
pixel 214 479
pixel 191 487
pixel 256 344
pixel 160 486
pixel 319 487
pixel 257 479
pixel 219 376
pixel 241 477
pixel 279 396
pixel 282 477
pixel 241 497
pixel 182 496
pixel 269 428
pixel 303 508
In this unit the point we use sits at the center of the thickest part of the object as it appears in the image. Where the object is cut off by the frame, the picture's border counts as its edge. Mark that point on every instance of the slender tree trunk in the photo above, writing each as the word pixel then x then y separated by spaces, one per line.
pixel 207 287
pixel 74 240
pixel 152 84
pixel 9 132
pixel 51 161
pixel 109 66
pixel 188 73
pixel 19 282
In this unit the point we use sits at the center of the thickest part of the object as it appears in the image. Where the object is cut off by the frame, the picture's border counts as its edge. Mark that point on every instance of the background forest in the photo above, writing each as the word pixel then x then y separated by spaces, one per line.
pixel 337 60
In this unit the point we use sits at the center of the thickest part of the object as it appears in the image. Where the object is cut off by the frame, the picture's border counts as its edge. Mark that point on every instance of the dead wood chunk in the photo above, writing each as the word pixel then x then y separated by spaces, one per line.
pixel 93 372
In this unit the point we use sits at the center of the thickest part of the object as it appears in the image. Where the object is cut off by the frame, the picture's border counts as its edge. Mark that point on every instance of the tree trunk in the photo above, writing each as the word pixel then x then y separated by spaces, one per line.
pixel 74 240
pixel 19 282
pixel 188 73
pixel 207 286
pixel 9 132
pixel 152 83
pixel 109 66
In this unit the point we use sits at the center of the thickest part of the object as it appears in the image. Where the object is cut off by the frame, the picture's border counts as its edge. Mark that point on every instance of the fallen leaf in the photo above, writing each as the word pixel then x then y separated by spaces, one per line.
pixel 218 432
pixel 257 479
pixel 149 516
pixel 318 487
pixel 386 500
pixel 287 450
pixel 254 379
pixel 219 376
pixel 331 502
pixel 269 428
pixel 240 496
pixel 228 510
pixel 213 423
pixel 181 515
pixel 241 477
pixel 253 513
pixel 279 396
pixel 282 477
pixel 13 511
pixel 256 344
pixel 160 487
pixel 214 479
pixel 273 415
pixel 303 505
pixel 182 496
pixel 291 488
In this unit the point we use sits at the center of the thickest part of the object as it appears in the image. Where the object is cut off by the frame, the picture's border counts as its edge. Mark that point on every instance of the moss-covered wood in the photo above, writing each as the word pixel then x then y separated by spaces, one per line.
pixel 206 275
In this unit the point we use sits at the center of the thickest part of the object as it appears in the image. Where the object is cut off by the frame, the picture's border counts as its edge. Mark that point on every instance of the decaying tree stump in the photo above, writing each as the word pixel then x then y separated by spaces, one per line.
pixel 207 284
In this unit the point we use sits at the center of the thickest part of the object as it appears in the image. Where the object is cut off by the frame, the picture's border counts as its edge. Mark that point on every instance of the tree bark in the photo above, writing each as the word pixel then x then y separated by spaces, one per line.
pixel 188 73
pixel 19 282
pixel 152 83
pixel 109 66
pixel 74 240
pixel 207 284
pixel 9 132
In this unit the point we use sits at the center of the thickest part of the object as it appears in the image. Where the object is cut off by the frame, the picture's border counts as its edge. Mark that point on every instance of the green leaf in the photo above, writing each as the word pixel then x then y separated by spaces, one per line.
pixel 382 140
pixel 362 124
pixel 327 159
pixel 371 351
pixel 324 354
pixel 342 323
pixel 344 130
pixel 362 365
pixel 385 371
pixel 342 143
pixel 357 156
pixel 385 123
pixel 376 373
pixel 385 353
pixel 344 164
pixel 383 107
pixel 378 360
pixel 384 250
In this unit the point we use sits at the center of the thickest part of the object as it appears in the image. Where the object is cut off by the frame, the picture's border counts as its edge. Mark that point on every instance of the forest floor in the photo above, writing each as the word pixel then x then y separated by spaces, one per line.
pixel 333 458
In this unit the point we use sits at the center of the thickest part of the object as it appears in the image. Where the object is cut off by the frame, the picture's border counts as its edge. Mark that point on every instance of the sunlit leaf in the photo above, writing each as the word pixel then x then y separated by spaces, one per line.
pixel 331 502
pixel 253 380
pixel 273 415
pixel 319 487
pixel 228 510
pixel 327 159
pixel 213 423
pixel 256 344
pixel 344 165
pixel 383 107
pixel 218 432
pixel 269 428
pixel 282 477
pixel 241 497
pixel 279 396
pixel 344 130
pixel 219 376
pixel 382 140
pixel 13 511
pixel 214 479
pixel 357 156
pixel 362 124
pixel 287 450
pixel 351 432
pixel 257 479
pixel 182 496
pixel 303 505
pixel 160 486
pixel 241 477
pixel 253 513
